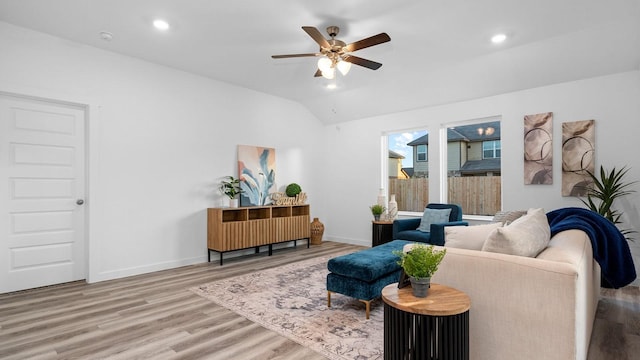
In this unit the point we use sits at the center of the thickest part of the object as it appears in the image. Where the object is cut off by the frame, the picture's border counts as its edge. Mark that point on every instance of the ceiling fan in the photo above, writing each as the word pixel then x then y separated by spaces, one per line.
pixel 336 53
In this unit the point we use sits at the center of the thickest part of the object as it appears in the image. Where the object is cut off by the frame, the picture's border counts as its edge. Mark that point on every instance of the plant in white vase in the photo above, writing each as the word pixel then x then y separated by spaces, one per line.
pixel 231 188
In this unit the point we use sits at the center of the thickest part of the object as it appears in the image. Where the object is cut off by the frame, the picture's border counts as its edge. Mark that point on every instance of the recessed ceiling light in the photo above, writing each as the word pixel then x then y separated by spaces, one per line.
pixel 106 36
pixel 498 38
pixel 161 24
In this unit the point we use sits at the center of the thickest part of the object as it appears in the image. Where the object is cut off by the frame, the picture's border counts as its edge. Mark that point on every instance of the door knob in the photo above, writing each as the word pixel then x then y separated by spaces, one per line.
pixel 79 201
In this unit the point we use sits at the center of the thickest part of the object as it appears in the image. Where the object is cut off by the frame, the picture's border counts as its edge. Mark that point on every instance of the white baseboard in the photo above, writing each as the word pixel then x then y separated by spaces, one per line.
pixel 360 242
pixel 144 269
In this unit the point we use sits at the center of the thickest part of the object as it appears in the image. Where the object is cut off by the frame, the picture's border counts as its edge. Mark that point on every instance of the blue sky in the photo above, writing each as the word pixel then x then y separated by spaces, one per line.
pixel 398 143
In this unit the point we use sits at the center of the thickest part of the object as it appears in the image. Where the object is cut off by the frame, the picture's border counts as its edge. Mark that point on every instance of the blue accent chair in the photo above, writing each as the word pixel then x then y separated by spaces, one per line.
pixel 406 229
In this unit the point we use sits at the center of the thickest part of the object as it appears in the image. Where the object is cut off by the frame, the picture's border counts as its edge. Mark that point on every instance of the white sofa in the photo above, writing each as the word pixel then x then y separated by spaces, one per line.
pixel 528 308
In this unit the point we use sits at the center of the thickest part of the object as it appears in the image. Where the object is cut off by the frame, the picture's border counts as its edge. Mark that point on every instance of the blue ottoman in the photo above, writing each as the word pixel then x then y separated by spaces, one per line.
pixel 363 274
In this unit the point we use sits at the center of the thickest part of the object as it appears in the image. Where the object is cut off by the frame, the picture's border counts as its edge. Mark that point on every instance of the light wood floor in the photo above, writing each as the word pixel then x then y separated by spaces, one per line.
pixel 155 316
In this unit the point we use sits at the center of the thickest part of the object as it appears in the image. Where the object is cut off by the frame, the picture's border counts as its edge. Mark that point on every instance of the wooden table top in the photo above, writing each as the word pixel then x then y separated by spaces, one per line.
pixel 441 300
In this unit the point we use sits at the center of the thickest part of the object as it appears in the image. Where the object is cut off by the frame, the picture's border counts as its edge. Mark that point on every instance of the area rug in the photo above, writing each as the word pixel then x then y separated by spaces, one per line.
pixel 292 301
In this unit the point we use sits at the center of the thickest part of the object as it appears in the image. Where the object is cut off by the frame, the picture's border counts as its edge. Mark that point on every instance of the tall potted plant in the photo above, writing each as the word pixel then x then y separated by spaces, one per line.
pixel 420 263
pixel 231 188
pixel 607 187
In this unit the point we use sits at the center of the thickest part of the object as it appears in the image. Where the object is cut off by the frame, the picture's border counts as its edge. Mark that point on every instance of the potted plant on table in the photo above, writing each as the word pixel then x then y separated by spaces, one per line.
pixel 377 210
pixel 231 188
pixel 420 263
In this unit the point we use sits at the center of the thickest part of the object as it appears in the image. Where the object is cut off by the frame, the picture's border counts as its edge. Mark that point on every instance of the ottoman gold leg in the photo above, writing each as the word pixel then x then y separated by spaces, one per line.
pixel 328 298
pixel 367 304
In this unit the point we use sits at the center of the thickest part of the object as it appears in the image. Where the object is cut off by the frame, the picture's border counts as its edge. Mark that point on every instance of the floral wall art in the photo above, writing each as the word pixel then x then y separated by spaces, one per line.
pixel 257 173
pixel 538 149
pixel 578 150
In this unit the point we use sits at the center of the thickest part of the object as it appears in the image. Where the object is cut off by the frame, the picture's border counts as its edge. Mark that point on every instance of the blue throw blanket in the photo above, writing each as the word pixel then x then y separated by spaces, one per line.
pixel 610 248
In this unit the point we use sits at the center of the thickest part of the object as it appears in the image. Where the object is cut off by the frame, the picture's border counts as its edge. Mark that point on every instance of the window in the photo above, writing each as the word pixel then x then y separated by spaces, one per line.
pixel 473 167
pixel 491 149
pixel 421 153
pixel 408 169
pixel 470 170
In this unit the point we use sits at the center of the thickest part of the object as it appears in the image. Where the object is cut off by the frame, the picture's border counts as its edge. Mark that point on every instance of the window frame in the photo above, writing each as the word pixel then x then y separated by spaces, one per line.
pixel 425 153
pixel 442 180
pixel 494 149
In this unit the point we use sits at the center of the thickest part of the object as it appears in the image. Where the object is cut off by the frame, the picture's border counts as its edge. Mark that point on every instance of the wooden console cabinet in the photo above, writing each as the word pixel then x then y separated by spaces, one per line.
pixel 230 229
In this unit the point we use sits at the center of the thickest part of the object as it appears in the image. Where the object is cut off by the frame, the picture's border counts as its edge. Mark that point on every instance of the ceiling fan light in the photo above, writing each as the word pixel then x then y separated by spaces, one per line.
pixel 324 64
pixel 344 67
pixel 329 74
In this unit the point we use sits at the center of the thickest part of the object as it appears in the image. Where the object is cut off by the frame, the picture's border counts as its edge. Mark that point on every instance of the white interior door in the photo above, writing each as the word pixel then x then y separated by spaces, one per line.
pixel 42 187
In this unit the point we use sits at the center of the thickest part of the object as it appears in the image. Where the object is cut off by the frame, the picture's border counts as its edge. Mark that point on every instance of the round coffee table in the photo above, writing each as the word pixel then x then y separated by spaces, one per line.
pixel 434 327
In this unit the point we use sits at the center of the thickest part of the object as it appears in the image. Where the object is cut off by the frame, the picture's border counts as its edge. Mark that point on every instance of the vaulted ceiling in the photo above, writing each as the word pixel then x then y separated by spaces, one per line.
pixel 439 51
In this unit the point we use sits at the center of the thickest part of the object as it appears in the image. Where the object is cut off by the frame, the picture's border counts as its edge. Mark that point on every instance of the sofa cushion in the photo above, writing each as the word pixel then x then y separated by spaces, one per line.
pixel 414 235
pixel 526 236
pixel 468 237
pixel 433 216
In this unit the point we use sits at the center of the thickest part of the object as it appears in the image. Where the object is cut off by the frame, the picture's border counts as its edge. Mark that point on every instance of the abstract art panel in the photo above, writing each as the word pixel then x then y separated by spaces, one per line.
pixel 578 153
pixel 538 149
pixel 257 174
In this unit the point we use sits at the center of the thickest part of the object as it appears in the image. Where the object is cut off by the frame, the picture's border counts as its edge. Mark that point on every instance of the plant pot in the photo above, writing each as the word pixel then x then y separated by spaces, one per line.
pixel 376 217
pixel 420 287
pixel 233 203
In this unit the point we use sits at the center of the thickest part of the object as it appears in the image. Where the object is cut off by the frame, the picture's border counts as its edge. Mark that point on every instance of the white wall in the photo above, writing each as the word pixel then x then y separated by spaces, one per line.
pixel 613 101
pixel 159 140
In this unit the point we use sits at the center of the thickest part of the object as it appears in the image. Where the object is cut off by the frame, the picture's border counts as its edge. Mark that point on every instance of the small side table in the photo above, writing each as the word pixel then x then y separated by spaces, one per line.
pixel 382 232
pixel 435 327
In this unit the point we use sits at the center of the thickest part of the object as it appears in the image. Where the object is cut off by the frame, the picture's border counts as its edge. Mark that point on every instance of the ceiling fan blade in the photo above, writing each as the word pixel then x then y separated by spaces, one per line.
pixel 362 62
pixel 318 73
pixel 295 55
pixel 370 41
pixel 317 36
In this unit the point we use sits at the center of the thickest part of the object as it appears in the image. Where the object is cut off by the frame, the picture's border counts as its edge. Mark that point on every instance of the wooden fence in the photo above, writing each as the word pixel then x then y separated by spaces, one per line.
pixel 478 195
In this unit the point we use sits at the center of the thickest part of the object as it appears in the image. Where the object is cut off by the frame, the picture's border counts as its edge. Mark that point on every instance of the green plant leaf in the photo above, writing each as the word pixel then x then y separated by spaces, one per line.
pixel 421 262
pixel 607 187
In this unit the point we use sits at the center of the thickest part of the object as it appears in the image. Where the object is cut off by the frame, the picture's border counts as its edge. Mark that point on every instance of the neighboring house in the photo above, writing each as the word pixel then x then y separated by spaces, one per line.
pixel 472 150
pixel 420 156
pixel 408 172
pixel 395 166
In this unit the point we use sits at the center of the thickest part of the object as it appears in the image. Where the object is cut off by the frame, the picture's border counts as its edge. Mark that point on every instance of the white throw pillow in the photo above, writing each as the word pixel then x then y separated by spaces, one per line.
pixel 433 216
pixel 507 217
pixel 526 236
pixel 468 237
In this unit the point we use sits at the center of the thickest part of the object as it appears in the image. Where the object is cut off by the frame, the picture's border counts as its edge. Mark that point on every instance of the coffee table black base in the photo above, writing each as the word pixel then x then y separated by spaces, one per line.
pixel 425 337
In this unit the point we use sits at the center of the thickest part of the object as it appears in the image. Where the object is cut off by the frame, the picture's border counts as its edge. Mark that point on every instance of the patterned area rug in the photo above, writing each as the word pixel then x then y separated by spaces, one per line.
pixel 292 301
